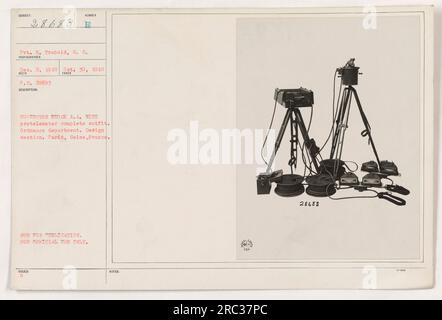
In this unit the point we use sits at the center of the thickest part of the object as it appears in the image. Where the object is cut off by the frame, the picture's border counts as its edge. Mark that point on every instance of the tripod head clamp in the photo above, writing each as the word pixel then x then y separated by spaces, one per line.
pixel 349 73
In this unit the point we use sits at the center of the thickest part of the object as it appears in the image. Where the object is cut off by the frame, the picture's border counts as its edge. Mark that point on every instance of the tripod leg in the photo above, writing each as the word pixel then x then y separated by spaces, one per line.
pixel 279 139
pixel 339 120
pixel 293 143
pixel 343 128
pixel 309 143
pixel 367 130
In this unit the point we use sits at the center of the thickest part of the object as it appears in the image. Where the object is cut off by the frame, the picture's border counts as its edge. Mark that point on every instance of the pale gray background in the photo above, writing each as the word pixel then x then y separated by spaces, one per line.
pixel 5 161
pixel 305 51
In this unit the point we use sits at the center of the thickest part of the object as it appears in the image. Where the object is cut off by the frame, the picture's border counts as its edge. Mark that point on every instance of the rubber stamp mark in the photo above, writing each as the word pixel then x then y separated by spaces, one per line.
pixel 246 245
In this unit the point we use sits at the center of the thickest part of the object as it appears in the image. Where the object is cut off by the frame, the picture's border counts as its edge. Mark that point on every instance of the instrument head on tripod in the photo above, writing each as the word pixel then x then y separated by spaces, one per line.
pixel 294 98
pixel 349 73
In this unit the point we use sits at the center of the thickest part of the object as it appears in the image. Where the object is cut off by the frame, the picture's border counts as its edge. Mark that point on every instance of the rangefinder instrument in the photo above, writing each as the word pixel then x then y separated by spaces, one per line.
pixel 325 177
